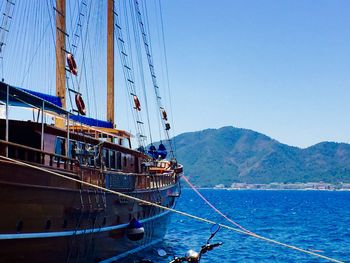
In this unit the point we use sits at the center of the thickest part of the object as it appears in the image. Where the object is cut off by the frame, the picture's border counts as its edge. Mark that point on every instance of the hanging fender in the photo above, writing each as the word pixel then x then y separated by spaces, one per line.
pixel 167 126
pixel 137 103
pixel 80 104
pixel 165 115
pixel 72 65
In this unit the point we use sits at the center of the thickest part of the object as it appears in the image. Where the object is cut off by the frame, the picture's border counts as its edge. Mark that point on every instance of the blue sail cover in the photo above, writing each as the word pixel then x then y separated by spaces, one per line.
pixel 152 151
pixel 27 98
pixel 52 99
pixel 91 121
pixel 162 152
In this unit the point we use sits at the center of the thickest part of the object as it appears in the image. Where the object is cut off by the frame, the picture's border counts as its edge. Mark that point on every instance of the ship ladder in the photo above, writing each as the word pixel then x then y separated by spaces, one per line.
pixel 100 200
pixel 74 244
pixel 86 237
pixel 92 217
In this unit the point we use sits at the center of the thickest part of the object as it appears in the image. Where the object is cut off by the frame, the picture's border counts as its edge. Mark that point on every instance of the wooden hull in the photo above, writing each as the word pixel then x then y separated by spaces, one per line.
pixel 45 218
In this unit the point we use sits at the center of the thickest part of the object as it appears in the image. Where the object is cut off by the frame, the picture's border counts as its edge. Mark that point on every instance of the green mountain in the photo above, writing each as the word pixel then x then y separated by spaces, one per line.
pixel 228 155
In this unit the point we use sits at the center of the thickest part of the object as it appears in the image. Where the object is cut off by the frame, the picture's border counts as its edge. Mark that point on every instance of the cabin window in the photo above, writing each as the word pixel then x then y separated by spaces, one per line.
pixel 112 159
pixel 106 157
pixel 119 161
pixel 91 155
pixel 105 137
pixel 82 152
pixel 98 157
pixel 60 147
pixel 82 148
pixel 132 159
pixel 125 161
pixel 124 142
pixel 72 152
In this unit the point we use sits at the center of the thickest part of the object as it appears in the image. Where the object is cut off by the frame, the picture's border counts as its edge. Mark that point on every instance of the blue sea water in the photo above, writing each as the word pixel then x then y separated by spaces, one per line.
pixel 312 220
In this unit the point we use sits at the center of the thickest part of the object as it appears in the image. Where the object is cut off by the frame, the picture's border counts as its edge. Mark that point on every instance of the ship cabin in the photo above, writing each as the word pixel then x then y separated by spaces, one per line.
pixel 76 144
pixel 84 147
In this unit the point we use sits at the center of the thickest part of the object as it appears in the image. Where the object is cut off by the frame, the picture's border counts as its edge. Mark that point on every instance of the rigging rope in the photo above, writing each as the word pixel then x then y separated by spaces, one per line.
pixel 140 63
pixel 5 27
pixel 129 78
pixel 83 11
pixel 148 50
pixel 83 44
pixel 167 73
pixel 175 211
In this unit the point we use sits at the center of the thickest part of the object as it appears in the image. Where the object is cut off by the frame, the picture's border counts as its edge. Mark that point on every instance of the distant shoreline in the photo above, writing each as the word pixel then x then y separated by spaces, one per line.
pixel 245 189
pixel 310 186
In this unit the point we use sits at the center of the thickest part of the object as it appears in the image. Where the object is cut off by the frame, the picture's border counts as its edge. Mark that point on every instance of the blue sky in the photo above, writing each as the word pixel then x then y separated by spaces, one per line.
pixel 277 67
pixel 280 67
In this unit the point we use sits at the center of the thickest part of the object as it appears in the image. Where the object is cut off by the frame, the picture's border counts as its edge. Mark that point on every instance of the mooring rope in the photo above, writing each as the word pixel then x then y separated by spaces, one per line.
pixel 175 211
pixel 221 213
pixel 213 207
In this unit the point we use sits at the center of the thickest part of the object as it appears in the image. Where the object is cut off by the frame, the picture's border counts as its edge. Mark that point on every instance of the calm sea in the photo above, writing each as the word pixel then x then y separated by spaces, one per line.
pixel 313 220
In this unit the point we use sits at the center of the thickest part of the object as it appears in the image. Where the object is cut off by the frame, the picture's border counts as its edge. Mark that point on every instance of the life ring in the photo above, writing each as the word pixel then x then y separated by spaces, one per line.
pixel 165 115
pixel 80 104
pixel 72 65
pixel 137 103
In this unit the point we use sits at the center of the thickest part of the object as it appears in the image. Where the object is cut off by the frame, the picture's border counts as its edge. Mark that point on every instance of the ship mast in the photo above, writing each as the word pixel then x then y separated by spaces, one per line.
pixel 61 56
pixel 110 61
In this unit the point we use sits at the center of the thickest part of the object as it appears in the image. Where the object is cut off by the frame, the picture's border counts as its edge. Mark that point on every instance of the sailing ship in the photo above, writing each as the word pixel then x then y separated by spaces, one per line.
pixel 48 218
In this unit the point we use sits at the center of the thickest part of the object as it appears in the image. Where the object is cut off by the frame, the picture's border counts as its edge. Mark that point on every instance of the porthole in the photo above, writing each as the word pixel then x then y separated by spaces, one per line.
pixel 48 224
pixel 19 226
pixel 65 223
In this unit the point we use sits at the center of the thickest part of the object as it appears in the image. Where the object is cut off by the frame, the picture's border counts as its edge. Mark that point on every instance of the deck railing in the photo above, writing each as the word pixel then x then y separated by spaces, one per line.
pixel 131 181
pixel 114 179
pixel 33 155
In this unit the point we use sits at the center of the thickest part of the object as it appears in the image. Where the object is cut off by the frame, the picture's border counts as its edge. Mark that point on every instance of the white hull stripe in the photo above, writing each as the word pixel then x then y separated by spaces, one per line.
pixel 77 232
pixel 132 251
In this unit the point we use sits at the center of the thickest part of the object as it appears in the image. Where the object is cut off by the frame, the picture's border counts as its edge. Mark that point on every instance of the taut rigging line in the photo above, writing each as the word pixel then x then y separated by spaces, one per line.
pixel 176 211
